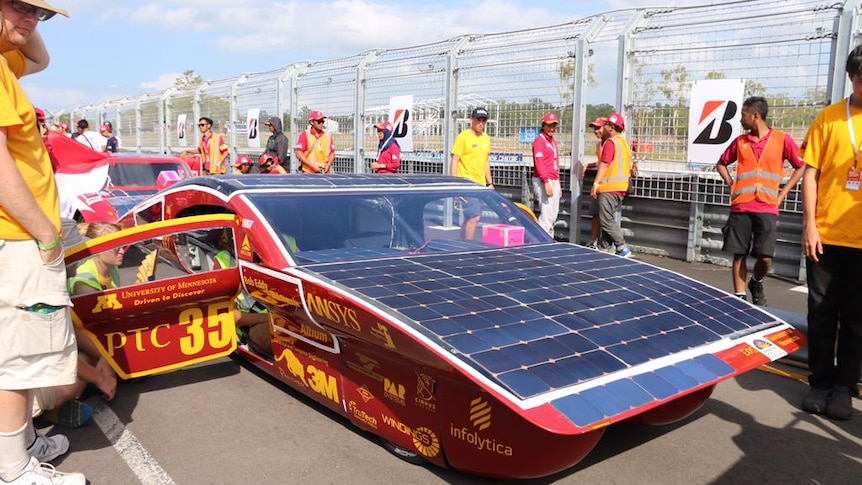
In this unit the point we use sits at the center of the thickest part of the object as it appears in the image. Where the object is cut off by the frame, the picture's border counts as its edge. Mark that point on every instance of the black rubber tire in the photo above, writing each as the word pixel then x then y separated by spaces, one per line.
pixel 409 456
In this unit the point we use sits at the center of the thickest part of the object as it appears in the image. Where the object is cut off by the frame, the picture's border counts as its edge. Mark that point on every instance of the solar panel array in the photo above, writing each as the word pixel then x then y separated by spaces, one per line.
pixel 543 317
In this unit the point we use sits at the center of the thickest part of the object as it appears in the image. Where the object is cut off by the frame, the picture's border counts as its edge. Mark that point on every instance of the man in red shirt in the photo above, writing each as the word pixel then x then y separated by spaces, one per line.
pixel 612 182
pixel 546 173
pixel 212 149
pixel 315 148
pixel 755 195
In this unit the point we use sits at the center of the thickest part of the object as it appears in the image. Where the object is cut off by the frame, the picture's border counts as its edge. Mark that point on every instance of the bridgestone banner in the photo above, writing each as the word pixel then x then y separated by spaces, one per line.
pixel 714 117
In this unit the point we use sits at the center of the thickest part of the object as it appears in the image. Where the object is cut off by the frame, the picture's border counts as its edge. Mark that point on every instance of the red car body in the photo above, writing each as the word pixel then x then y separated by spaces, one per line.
pixel 499 356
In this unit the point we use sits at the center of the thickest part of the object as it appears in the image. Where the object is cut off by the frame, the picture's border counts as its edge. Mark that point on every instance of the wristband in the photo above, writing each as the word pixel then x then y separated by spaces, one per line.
pixel 596 184
pixel 48 247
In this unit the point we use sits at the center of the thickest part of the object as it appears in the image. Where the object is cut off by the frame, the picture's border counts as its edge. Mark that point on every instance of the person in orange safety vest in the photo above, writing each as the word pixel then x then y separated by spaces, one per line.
pixel 756 194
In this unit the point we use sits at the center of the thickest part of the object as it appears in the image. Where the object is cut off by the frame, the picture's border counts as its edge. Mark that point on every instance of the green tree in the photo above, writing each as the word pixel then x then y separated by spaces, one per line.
pixel 568 83
pixel 675 86
pixel 188 80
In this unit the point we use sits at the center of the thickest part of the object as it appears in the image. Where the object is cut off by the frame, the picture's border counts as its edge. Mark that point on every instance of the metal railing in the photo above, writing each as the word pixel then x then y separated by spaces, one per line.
pixel 639 62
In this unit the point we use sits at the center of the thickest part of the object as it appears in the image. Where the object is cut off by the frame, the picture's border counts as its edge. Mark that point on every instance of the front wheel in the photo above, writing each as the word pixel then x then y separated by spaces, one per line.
pixel 405 454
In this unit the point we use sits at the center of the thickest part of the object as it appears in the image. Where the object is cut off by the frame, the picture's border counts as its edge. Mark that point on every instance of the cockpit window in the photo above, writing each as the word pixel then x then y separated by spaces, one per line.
pixel 326 228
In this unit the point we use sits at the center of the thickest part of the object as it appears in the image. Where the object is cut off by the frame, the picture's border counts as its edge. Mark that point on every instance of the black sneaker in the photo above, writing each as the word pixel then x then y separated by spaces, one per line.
pixel 756 289
pixel 839 405
pixel 816 400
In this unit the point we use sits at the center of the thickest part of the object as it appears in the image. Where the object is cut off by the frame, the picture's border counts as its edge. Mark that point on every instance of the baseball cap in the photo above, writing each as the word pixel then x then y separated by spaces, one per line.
pixel 242 160
pixel 46 6
pixel 600 121
pixel 63 125
pixel 479 113
pixel 40 115
pixel 617 120
pixel 549 119
pixel 105 127
pixel 316 115
pixel 385 125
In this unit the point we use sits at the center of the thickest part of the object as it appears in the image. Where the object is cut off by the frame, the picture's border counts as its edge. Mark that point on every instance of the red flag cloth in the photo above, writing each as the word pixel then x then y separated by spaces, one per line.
pixel 71 156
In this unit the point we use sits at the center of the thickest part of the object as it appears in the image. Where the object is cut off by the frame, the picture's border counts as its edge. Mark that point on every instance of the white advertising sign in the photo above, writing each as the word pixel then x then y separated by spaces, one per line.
pixel 181 130
pixel 400 115
pixel 252 122
pixel 713 120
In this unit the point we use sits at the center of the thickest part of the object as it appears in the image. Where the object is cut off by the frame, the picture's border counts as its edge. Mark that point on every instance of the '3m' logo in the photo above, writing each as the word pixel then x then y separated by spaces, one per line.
pixel 714 124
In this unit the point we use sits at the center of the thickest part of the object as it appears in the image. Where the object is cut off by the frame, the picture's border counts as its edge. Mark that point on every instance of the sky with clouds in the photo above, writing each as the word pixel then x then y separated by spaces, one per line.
pixel 108 50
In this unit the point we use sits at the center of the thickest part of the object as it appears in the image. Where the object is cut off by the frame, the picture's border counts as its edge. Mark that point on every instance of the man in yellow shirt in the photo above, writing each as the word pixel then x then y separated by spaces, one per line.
pixel 39 348
pixel 470 161
pixel 832 242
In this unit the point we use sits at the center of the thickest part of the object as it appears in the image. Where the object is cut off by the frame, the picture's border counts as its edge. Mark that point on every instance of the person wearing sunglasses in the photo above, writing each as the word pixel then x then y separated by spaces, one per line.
pixel 315 148
pixel 277 144
pixel 32 261
pixel 212 148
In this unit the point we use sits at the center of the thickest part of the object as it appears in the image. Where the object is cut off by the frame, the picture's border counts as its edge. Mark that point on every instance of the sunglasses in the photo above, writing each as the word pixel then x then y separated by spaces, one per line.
pixel 202 124
pixel 26 9
pixel 121 249
pixel 320 121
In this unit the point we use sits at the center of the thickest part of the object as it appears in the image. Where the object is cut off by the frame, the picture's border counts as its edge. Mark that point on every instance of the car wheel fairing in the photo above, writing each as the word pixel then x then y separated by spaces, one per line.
pixel 405 454
pixel 676 410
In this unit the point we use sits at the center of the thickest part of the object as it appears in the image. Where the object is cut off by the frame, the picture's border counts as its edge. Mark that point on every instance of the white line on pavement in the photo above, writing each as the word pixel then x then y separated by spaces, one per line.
pixel 139 460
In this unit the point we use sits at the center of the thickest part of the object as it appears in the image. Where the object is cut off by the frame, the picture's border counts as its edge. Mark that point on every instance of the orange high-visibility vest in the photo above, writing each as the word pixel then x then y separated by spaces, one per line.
pixel 317 150
pixel 619 171
pixel 213 153
pixel 761 178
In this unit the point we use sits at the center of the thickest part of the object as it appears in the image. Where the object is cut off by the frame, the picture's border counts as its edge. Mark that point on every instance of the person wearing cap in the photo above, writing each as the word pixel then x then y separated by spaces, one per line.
pixel 470 160
pixel 612 183
pixel 595 224
pixel 211 147
pixel 269 164
pixel 112 143
pixel 63 128
pixel 32 263
pixel 90 138
pixel 244 165
pixel 546 173
pixel 315 148
pixel 277 143
pixel 388 149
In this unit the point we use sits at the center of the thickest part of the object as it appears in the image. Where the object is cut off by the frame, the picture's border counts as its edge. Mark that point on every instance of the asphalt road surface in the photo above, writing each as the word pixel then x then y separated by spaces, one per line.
pixel 223 422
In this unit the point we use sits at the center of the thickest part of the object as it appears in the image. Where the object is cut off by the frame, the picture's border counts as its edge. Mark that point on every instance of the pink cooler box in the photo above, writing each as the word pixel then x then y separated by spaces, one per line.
pixel 503 235
pixel 167 178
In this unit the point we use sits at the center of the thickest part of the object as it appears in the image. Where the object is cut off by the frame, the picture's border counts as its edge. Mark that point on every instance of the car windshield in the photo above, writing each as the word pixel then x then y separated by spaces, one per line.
pixel 143 174
pixel 318 228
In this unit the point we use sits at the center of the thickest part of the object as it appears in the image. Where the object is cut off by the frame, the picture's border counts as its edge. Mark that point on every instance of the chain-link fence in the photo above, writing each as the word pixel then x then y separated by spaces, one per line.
pixel 639 62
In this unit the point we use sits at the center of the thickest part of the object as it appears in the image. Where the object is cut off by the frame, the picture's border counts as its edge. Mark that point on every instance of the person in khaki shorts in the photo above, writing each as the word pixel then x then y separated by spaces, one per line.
pixel 38 344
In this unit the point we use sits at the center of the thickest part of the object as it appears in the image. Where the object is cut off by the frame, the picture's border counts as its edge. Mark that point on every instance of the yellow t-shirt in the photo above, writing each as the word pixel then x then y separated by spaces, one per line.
pixel 473 151
pixel 27 149
pixel 827 147
pixel 17 62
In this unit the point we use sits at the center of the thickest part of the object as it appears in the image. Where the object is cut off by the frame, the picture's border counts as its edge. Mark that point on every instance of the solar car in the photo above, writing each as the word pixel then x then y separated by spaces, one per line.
pixel 502 353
